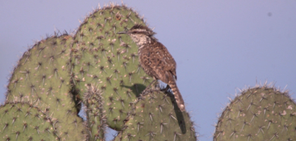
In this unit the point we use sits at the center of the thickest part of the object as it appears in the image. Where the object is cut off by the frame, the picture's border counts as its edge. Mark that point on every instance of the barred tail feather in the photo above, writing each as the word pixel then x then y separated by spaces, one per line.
pixel 178 96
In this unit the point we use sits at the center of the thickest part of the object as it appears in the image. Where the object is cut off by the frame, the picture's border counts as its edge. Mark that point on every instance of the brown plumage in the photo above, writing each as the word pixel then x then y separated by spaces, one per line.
pixel 155 59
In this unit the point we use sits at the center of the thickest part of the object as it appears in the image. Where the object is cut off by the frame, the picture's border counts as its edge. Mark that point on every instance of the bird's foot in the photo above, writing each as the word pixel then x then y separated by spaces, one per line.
pixel 166 89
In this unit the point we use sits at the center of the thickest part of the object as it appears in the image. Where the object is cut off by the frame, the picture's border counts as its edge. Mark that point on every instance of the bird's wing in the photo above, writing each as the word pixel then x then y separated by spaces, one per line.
pixel 160 62
pixel 167 60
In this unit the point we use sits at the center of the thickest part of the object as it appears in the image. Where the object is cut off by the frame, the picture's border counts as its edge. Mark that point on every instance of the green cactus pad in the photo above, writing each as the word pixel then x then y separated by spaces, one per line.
pixel 157 117
pixel 109 62
pixel 23 121
pixel 42 78
pixel 258 114
pixel 95 114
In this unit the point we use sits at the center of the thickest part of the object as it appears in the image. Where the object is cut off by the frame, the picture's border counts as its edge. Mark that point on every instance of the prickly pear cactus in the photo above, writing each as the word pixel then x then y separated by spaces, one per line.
pixel 103 59
pixel 261 114
pixel 156 116
pixel 42 79
pixel 23 121
pixel 98 68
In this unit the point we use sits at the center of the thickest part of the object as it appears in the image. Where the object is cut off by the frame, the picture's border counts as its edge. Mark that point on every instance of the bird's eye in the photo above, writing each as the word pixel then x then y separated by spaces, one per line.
pixel 135 32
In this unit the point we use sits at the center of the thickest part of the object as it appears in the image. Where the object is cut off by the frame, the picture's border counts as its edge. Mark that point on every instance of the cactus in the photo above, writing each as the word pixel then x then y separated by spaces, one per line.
pixel 95 115
pixel 261 114
pixel 103 59
pixel 98 68
pixel 42 79
pixel 23 121
pixel 157 117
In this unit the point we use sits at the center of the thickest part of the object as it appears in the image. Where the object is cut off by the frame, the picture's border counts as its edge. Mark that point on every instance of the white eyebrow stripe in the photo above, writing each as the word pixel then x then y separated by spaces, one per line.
pixel 141 30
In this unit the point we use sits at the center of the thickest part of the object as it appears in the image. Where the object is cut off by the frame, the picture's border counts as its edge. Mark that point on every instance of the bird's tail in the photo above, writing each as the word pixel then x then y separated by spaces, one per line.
pixel 177 94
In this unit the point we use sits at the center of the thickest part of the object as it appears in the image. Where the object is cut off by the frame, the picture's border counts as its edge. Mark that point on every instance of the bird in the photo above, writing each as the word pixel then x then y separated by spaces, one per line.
pixel 155 59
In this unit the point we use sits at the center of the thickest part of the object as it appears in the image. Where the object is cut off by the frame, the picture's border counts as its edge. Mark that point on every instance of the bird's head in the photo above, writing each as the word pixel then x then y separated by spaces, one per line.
pixel 140 34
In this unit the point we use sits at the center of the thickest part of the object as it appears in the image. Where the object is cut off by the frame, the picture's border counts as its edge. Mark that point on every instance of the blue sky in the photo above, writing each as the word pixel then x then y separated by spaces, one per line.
pixel 219 46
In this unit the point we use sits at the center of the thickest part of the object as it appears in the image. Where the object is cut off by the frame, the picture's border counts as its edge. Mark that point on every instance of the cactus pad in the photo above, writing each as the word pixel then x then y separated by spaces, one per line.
pixel 261 114
pixel 42 78
pixel 23 121
pixel 108 61
pixel 157 117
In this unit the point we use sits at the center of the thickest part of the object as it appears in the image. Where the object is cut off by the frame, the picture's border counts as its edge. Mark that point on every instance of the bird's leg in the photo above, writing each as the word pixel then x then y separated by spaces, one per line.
pixel 166 88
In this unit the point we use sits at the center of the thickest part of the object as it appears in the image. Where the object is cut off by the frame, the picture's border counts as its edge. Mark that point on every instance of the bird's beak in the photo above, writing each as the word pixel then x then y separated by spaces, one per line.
pixel 123 32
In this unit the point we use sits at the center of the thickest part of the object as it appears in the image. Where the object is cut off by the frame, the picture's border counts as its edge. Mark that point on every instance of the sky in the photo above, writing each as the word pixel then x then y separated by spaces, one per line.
pixel 219 46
